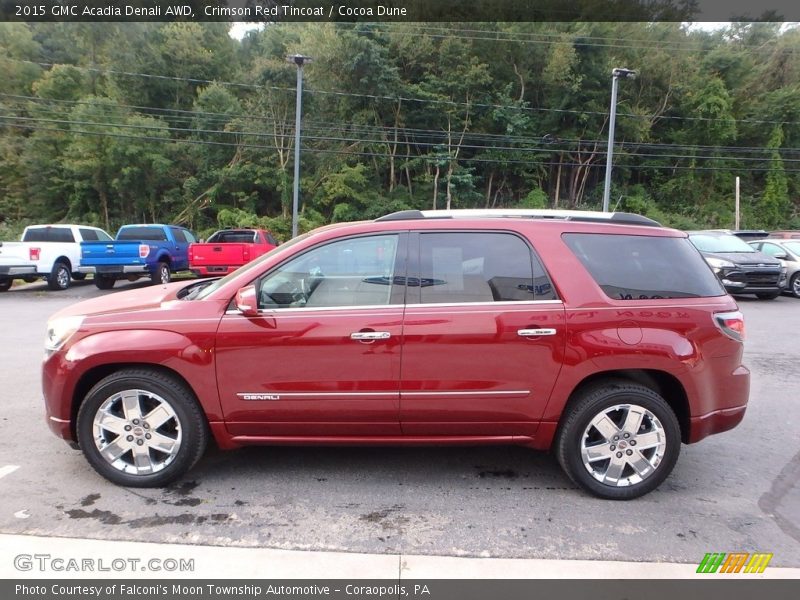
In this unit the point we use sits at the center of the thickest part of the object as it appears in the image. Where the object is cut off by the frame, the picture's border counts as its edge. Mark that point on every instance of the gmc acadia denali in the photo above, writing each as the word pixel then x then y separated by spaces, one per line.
pixel 602 337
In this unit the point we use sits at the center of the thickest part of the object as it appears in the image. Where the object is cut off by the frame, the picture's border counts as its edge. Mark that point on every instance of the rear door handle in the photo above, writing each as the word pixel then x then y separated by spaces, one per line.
pixel 535 332
pixel 369 336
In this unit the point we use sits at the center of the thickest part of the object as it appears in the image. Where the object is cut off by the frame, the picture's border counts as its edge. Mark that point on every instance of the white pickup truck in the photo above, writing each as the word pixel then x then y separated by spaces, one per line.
pixel 49 251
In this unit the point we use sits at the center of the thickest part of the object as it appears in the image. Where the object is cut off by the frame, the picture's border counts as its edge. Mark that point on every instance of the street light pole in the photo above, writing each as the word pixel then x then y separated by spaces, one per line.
pixel 299 61
pixel 615 76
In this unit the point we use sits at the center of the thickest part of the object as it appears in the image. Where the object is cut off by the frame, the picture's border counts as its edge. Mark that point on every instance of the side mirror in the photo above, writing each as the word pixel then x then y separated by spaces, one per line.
pixel 247 301
pixel 781 256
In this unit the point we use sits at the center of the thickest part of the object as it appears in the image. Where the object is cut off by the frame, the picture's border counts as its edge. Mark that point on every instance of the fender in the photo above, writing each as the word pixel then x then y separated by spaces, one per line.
pixel 192 357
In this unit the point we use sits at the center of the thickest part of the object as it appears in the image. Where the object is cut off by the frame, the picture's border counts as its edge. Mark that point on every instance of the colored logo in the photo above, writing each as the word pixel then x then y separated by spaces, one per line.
pixel 735 562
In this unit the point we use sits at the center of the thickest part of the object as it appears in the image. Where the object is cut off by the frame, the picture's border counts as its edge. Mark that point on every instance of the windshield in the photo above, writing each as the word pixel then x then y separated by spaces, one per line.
pixel 719 243
pixel 254 265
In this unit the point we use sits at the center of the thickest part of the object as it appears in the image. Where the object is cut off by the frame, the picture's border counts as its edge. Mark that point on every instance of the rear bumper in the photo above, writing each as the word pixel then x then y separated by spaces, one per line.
pixel 114 269
pixel 213 270
pixel 715 422
pixel 14 270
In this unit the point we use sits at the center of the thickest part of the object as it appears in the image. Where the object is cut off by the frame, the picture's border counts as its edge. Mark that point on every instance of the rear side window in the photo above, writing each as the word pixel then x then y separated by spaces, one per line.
pixel 93 235
pixel 178 235
pixel 633 267
pixel 155 234
pixel 460 267
pixel 49 234
pixel 233 237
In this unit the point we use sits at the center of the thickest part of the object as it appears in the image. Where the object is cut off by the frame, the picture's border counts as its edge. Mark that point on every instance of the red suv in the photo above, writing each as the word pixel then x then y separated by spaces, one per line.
pixel 603 337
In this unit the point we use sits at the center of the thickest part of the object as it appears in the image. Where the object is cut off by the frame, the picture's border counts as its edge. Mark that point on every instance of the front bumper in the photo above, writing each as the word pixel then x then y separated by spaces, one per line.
pixel 747 281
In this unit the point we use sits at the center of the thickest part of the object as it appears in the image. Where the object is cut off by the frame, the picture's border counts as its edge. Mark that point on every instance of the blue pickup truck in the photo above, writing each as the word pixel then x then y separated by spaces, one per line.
pixel 156 251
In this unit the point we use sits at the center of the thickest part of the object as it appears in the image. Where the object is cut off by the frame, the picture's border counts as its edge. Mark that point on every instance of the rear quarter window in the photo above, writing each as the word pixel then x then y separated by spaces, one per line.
pixel 49 234
pixel 155 234
pixel 634 267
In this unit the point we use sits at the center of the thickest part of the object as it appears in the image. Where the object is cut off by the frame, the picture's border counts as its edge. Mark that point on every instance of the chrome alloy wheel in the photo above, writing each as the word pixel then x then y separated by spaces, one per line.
pixel 137 432
pixel 623 445
pixel 62 278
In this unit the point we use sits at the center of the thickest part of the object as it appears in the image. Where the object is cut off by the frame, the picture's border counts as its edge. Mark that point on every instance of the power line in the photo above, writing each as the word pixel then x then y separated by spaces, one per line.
pixel 553 146
pixel 436 101
pixel 382 155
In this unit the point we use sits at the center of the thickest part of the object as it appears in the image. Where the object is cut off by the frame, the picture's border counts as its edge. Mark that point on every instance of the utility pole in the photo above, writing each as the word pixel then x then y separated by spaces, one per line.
pixel 298 60
pixel 616 74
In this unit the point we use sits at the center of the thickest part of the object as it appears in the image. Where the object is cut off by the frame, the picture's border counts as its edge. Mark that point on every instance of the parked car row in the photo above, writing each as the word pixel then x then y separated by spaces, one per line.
pixel 61 253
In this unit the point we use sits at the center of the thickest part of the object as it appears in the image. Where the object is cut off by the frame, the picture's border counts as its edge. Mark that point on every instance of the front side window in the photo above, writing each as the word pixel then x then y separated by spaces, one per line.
pixel 458 267
pixel 772 249
pixel 351 272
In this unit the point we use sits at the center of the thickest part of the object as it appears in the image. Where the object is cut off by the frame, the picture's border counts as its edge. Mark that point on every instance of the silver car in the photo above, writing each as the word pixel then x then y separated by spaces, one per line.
pixel 788 252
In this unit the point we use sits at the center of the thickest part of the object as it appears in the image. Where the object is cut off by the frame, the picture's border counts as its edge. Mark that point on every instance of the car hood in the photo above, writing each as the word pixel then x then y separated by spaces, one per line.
pixel 745 258
pixel 151 297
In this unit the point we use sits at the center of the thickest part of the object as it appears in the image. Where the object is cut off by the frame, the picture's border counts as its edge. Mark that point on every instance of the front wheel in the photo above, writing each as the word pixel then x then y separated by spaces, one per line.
pixel 59 278
pixel 619 441
pixel 794 285
pixel 162 274
pixel 141 428
pixel 5 285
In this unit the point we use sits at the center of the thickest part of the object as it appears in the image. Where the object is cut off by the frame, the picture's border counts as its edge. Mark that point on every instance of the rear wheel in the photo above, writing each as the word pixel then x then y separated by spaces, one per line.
pixel 59 278
pixel 104 282
pixel 768 296
pixel 162 274
pixel 141 428
pixel 619 441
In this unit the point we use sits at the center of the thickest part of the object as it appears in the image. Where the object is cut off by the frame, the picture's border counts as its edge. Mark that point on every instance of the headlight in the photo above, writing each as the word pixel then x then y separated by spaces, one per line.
pixel 719 263
pixel 59 331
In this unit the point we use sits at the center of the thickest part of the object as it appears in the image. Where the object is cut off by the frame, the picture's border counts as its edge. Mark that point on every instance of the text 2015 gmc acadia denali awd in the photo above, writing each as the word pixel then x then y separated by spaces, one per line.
pixel 603 337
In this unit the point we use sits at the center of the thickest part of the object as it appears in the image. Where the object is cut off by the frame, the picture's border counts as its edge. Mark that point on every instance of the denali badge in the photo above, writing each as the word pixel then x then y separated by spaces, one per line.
pixel 258 396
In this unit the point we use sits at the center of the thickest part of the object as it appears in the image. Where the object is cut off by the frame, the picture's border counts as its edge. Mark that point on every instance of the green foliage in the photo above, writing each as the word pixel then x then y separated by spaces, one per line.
pixel 111 123
pixel 536 198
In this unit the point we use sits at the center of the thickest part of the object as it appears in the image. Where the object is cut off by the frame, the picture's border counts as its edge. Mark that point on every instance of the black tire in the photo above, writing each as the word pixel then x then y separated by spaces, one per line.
pixel 591 404
pixel 768 296
pixel 60 277
pixel 794 285
pixel 186 427
pixel 79 276
pixel 5 284
pixel 104 282
pixel 161 274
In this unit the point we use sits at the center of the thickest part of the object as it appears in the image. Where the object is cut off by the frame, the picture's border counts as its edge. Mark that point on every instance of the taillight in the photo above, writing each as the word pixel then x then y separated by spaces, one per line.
pixel 144 250
pixel 246 253
pixel 34 253
pixel 731 324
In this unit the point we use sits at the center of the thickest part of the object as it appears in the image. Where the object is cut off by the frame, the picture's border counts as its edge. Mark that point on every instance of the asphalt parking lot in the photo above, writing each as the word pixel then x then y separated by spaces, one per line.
pixel 738 491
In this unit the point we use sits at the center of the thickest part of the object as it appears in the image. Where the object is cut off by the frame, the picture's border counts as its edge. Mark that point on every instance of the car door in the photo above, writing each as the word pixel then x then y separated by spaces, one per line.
pixel 322 358
pixel 180 249
pixel 483 336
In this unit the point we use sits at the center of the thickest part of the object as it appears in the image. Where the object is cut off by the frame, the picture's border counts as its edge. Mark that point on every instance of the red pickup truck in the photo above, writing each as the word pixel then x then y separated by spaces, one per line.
pixel 228 249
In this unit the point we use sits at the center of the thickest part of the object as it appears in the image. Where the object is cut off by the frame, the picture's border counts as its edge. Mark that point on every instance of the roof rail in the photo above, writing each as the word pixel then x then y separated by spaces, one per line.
pixel 621 218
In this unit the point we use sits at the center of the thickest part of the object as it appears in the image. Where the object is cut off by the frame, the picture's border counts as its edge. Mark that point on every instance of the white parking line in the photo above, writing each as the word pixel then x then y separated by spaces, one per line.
pixel 7 470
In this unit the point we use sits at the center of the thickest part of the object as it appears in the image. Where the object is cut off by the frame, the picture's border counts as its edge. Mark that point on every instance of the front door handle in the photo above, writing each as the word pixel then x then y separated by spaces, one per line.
pixel 370 336
pixel 535 332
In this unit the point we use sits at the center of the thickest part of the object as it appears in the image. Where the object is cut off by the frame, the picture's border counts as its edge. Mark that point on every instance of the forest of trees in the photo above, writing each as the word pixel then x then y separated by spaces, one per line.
pixel 105 123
